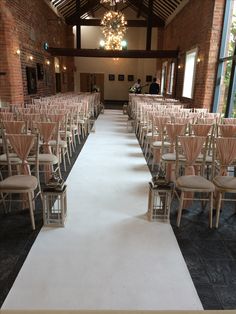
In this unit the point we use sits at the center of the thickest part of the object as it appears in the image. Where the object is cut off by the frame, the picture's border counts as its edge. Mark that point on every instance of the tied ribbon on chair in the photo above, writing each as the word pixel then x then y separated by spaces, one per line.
pixel 13 127
pixel 201 129
pixel 173 130
pixel 160 122
pixel 226 153
pixel 46 130
pixel 22 144
pixel 192 148
pixel 229 120
pixel 227 130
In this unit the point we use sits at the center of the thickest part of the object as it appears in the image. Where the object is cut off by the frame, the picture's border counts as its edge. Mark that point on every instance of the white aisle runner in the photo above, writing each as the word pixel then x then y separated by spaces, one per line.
pixel 108 256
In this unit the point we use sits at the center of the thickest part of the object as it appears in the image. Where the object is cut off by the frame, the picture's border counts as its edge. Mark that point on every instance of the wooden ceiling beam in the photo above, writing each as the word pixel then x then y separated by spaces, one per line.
pixel 144 9
pixel 130 23
pixel 89 6
pixel 139 8
pixel 149 25
pixel 101 53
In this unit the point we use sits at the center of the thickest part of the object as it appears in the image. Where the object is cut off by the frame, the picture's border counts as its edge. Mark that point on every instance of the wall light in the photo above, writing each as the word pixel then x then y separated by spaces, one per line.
pixel 18 52
pixel 179 66
pixel 64 68
pixel 102 43
pixel 31 58
pixel 48 62
pixel 198 60
pixel 124 44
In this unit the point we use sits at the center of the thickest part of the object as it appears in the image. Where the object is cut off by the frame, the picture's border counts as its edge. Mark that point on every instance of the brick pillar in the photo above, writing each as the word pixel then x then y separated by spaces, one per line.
pixel 11 87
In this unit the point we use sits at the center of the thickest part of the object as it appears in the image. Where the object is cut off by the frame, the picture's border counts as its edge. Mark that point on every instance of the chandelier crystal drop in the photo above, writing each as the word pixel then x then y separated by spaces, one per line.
pixel 114 29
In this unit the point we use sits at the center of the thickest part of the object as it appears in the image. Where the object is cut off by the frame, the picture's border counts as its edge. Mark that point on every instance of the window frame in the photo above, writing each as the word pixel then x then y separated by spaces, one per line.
pixel 171 78
pixel 194 50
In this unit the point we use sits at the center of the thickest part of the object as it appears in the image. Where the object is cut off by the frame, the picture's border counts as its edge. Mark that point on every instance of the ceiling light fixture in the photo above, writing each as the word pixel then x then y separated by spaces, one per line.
pixel 113 28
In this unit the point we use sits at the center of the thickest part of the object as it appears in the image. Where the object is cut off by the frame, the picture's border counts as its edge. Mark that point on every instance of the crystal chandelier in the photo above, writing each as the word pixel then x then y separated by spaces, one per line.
pixel 112 2
pixel 113 28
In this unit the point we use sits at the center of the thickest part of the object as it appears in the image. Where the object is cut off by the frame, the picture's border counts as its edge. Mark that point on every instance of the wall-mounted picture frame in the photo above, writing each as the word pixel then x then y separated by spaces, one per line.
pixel 148 78
pixel 31 80
pixel 121 77
pixel 40 71
pixel 130 78
pixel 111 77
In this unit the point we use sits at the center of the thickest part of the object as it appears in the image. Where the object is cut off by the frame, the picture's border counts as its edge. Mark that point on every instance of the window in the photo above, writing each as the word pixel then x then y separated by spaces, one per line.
pixel 189 73
pixel 171 77
pixel 225 89
pixel 163 78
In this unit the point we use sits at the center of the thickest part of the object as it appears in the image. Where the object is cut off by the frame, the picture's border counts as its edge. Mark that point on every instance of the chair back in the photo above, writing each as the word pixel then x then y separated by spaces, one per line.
pixel 14 127
pixel 48 131
pixel 23 145
pixel 225 154
pixel 227 130
pixel 190 147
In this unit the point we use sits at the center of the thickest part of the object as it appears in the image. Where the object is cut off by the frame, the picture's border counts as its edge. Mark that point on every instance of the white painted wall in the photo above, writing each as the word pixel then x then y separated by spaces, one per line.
pixel 116 90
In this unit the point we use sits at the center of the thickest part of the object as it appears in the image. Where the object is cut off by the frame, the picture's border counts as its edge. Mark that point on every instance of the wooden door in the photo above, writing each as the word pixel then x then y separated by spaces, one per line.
pixel 88 81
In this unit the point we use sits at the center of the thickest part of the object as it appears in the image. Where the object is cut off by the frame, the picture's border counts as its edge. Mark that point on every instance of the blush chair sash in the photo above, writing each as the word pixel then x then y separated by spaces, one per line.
pixel 22 144
pixel 226 153
pixel 227 130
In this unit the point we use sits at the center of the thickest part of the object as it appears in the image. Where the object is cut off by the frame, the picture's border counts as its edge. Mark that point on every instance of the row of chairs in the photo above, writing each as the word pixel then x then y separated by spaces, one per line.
pixel 193 146
pixel 34 142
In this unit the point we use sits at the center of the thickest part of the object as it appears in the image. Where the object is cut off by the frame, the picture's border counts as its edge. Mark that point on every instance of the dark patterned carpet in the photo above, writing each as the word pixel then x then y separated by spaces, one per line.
pixel 209 254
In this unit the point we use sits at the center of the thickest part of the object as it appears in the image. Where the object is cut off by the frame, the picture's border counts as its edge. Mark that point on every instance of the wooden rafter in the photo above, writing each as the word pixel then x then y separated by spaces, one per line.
pixel 101 53
pixel 145 12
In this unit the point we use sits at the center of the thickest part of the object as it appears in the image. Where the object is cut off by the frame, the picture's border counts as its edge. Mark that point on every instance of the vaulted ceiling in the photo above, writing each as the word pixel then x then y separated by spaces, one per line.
pixel 161 11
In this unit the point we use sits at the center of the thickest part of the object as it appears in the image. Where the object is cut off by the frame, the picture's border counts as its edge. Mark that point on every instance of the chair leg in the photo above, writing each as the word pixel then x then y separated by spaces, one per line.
pixel 211 209
pixel 218 205
pixel 31 210
pixel 180 208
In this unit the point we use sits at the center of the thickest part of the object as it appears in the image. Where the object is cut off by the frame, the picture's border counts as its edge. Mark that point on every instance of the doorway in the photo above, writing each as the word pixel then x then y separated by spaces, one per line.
pixel 89 81
pixel 58 82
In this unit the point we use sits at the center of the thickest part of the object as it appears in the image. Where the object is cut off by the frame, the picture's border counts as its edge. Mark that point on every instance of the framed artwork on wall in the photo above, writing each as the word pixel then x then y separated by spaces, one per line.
pixel 130 78
pixel 31 80
pixel 40 71
pixel 148 78
pixel 111 77
pixel 121 77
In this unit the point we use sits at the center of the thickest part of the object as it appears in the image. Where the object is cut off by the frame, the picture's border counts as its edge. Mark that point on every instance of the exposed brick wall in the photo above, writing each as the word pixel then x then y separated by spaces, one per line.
pixel 198 25
pixel 27 24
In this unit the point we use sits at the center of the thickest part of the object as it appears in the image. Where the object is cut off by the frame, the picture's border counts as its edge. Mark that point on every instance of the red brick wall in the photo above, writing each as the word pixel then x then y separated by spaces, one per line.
pixel 198 25
pixel 27 24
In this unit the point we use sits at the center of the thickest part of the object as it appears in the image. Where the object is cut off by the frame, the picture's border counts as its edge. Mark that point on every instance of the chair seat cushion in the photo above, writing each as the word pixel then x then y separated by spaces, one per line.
pixel 150 134
pixel 208 158
pixel 197 183
pixel 61 143
pixel 45 158
pixel 159 144
pixel 171 157
pixel 225 182
pixel 19 183
pixel 13 158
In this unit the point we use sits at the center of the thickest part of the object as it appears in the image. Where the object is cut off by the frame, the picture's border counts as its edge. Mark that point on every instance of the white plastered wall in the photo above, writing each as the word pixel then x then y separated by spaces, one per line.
pixel 116 90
